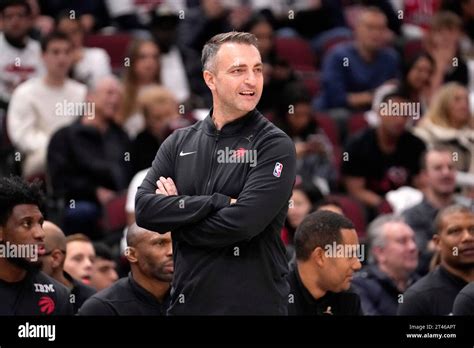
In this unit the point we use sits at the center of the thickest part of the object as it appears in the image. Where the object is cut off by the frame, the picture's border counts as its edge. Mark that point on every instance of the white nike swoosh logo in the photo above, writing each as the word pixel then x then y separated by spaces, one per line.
pixel 186 153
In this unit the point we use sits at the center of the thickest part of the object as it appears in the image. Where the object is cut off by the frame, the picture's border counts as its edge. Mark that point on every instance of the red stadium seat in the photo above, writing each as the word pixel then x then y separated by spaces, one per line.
pixel 115 218
pixel 312 82
pixel 412 48
pixel 354 211
pixel 116 46
pixel 297 52
pixel 356 123
pixel 329 127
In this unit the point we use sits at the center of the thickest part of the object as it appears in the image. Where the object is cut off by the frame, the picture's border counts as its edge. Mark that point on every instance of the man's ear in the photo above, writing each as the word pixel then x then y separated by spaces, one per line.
pixel 436 240
pixel 209 79
pixel 377 253
pixel 58 258
pixel 318 257
pixel 131 254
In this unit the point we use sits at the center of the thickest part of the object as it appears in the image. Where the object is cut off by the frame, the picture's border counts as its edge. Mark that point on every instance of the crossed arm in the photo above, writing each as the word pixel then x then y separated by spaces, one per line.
pixel 218 220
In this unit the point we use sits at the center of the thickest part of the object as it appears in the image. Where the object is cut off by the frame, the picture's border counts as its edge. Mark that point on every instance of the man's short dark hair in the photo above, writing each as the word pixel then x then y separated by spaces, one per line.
pixel 9 3
pixel 15 191
pixel 212 46
pixel 54 36
pixel 433 148
pixel 398 93
pixel 103 251
pixel 328 200
pixel 78 237
pixel 319 229
pixel 451 209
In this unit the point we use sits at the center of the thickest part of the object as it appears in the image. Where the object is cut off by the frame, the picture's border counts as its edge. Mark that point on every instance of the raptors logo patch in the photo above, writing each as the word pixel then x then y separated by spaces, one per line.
pixel 46 305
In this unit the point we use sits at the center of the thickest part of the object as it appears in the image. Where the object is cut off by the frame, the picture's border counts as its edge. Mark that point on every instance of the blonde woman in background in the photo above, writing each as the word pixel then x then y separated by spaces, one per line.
pixel 448 122
pixel 159 107
pixel 143 71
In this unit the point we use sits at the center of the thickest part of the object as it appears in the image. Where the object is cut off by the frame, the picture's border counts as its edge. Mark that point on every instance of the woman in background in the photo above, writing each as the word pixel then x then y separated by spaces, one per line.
pixel 142 71
pixel 448 122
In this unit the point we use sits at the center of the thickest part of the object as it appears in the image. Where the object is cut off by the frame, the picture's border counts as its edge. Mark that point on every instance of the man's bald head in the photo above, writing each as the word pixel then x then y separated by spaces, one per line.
pixel 54 237
pixel 136 234
pixel 106 94
pixel 150 253
pixel 55 246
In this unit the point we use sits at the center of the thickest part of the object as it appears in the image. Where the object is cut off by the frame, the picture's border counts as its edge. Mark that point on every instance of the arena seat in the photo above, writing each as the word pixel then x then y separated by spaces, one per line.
pixel 297 52
pixel 356 123
pixel 116 46
pixel 354 211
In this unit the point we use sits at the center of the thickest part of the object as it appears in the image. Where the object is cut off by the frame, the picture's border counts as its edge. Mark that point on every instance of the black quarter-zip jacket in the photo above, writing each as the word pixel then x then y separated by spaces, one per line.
pixel 228 259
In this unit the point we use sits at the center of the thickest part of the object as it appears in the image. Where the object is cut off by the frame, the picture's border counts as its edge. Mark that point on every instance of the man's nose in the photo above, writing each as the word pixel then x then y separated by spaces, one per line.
pixel 88 263
pixel 169 250
pixel 468 235
pixel 357 265
pixel 412 245
pixel 251 79
pixel 38 233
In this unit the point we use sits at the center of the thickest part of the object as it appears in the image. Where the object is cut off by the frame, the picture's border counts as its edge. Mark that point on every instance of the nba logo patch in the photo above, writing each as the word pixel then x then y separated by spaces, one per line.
pixel 277 170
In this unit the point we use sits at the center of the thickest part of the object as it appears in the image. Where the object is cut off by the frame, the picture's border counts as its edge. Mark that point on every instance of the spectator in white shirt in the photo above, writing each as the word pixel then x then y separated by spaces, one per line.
pixel 20 57
pixel 89 64
pixel 42 105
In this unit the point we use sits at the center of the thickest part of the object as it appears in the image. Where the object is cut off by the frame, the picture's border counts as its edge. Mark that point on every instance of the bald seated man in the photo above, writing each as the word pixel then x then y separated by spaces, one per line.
pixel 53 264
pixel 146 289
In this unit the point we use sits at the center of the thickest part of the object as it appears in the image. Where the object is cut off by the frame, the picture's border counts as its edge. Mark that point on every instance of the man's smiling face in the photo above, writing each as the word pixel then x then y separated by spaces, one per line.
pixel 237 78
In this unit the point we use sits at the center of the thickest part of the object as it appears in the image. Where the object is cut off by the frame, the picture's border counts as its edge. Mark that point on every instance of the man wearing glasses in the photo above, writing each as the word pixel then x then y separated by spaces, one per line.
pixel 53 265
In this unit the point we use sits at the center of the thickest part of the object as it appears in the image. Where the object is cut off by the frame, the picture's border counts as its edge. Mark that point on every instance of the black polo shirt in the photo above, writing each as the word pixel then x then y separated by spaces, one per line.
pixel 36 294
pixel 301 302
pixel 433 294
pixel 464 302
pixel 124 297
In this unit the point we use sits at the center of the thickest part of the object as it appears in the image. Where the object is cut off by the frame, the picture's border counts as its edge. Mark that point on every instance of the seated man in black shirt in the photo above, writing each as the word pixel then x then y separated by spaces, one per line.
pixel 384 158
pixel 146 289
pixel 434 294
pixel 327 255
pixel 24 289
pixel 53 262
pixel 464 302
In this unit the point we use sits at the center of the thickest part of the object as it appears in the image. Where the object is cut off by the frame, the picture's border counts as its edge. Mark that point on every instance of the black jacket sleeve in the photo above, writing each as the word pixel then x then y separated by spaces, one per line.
pixel 162 213
pixel 262 198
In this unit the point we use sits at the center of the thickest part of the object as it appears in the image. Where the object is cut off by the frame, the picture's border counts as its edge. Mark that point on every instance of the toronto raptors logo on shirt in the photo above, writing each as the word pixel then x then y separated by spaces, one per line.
pixel 240 152
pixel 46 305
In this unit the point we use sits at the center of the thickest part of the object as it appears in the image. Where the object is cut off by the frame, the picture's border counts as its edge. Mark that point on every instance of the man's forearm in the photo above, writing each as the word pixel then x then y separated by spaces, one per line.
pixel 361 99
pixel 162 213
pixel 368 197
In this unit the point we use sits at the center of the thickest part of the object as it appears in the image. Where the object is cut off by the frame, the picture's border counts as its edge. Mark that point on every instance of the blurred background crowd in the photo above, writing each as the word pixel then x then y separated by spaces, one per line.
pixel 89 89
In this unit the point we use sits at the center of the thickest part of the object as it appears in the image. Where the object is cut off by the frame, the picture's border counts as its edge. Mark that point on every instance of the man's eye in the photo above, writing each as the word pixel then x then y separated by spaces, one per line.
pixel 454 231
pixel 237 71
